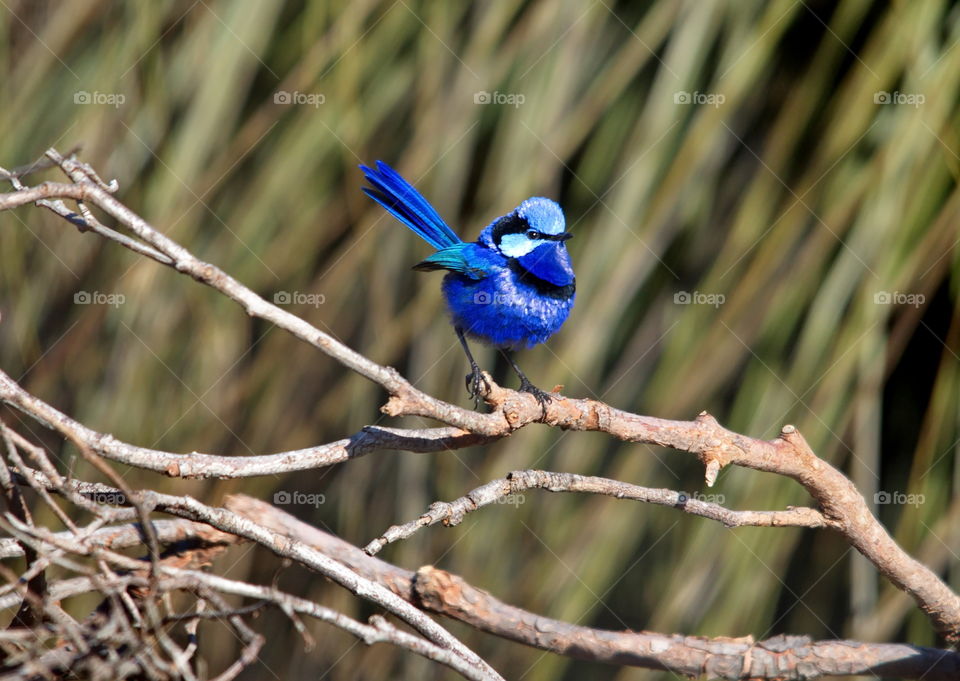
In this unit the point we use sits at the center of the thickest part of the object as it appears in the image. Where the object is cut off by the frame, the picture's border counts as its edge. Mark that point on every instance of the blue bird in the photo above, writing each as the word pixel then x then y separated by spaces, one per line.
pixel 512 288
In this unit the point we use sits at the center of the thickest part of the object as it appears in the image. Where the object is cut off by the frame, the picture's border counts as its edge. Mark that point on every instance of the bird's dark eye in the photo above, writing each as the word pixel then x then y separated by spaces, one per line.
pixel 533 234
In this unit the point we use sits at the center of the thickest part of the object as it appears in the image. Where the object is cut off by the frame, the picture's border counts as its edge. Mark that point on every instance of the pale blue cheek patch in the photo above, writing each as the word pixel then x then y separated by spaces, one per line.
pixel 516 245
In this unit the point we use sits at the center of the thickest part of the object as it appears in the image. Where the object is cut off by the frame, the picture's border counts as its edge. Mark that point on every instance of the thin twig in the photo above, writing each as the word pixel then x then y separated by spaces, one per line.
pixel 451 513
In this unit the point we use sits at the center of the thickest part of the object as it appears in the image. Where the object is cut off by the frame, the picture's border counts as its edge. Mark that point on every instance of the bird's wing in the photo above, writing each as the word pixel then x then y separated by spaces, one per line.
pixel 462 258
pixel 406 204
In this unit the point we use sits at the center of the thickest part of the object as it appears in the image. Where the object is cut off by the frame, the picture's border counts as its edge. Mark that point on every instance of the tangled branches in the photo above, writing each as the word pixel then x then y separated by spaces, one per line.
pixel 145 624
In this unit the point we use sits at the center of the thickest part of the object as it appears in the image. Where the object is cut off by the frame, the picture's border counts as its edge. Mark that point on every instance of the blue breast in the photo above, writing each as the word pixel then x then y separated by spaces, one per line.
pixel 509 308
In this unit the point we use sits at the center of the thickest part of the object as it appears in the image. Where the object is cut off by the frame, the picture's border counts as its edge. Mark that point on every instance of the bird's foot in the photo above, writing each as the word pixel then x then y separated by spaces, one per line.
pixel 542 395
pixel 477 386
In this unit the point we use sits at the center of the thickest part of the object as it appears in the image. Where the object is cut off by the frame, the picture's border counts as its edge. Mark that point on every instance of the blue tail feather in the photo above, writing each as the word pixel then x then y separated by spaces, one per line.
pixel 406 204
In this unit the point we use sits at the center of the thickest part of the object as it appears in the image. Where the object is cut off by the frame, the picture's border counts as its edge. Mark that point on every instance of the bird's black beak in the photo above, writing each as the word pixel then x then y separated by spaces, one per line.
pixel 562 237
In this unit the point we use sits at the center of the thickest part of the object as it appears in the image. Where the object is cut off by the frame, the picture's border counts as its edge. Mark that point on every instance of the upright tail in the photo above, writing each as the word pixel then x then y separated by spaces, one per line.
pixel 407 205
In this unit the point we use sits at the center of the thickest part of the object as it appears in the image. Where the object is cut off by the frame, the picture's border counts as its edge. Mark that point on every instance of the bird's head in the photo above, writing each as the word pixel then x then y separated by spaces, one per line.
pixel 533 235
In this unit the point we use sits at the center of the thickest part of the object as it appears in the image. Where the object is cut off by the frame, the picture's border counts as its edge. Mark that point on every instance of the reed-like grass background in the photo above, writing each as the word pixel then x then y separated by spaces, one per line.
pixel 808 190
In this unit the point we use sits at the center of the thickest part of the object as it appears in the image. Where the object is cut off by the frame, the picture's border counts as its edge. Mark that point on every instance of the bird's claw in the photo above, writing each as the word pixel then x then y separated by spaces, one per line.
pixel 477 386
pixel 542 396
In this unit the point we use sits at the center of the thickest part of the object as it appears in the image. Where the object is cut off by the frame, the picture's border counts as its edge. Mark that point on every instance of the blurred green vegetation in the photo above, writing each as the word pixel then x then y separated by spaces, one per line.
pixel 811 179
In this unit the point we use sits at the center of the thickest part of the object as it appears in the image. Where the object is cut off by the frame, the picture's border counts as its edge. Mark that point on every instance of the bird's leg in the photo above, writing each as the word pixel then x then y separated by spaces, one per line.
pixel 527 387
pixel 476 382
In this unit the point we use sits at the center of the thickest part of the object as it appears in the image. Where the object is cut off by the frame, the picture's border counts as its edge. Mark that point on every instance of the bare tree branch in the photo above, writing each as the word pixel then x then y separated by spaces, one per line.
pixel 451 513
pixel 126 536
pixel 197 465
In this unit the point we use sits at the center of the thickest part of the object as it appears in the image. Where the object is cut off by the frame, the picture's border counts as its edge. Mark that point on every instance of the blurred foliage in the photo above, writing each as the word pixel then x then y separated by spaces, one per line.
pixel 811 178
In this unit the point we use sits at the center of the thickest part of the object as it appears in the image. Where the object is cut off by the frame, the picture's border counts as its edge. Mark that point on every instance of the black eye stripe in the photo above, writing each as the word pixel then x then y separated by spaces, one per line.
pixel 509 224
pixel 563 236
